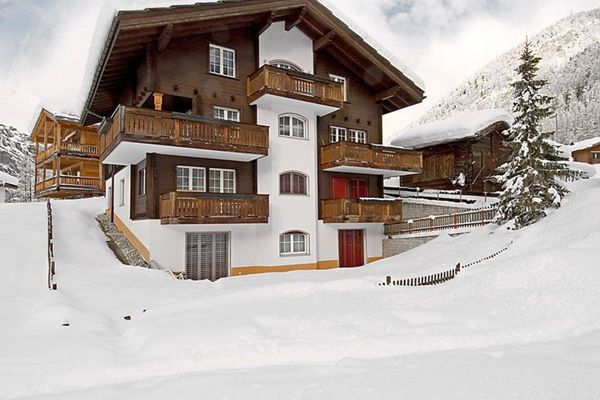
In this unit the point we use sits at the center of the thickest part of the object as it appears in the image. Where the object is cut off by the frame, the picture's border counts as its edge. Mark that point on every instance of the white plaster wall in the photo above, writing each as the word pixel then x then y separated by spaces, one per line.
pixel 278 44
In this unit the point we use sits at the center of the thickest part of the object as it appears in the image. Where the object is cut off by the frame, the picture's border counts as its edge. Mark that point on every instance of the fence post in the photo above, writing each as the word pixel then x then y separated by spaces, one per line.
pixel 388 280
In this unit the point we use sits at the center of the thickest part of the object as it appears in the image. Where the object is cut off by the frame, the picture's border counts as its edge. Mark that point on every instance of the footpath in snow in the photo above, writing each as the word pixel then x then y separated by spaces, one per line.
pixel 523 325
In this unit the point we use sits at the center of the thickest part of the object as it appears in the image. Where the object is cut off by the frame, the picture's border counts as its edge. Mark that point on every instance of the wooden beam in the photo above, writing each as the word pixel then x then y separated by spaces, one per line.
pixel 387 93
pixel 266 24
pixel 164 38
pixel 324 41
pixel 295 19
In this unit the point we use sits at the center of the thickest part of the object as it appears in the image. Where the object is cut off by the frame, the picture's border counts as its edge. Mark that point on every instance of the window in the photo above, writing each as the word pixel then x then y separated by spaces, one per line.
pixel 596 155
pixel 222 61
pixel 141 182
pixel 293 183
pixel 283 64
pixel 343 81
pixel 221 180
pixel 121 192
pixel 293 243
pixel 292 126
pixel 227 114
pixel 337 134
pixel 191 179
pixel 357 136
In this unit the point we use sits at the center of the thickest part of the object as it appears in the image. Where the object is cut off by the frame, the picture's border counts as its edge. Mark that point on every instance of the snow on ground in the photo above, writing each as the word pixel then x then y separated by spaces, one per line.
pixel 8 179
pixel 450 129
pixel 524 325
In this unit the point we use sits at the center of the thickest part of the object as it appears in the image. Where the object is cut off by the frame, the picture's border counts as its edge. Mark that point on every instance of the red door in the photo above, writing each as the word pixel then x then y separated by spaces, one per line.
pixel 359 188
pixel 351 250
pixel 340 188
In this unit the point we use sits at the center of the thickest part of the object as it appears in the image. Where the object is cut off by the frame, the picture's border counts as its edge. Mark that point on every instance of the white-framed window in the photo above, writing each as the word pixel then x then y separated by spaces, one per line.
pixel 293 243
pixel 358 136
pixel 337 134
pixel 293 183
pixel 191 179
pixel 141 182
pixel 284 64
pixel 227 114
pixel 222 61
pixel 291 125
pixel 343 81
pixel 221 180
pixel 121 192
pixel 596 155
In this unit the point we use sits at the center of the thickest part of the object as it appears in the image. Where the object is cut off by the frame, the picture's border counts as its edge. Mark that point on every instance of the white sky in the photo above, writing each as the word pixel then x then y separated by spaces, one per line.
pixel 45 44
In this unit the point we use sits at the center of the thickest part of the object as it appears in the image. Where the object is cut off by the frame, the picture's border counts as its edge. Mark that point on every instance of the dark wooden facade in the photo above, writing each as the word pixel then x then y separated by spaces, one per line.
pixel 477 158
pixel 590 155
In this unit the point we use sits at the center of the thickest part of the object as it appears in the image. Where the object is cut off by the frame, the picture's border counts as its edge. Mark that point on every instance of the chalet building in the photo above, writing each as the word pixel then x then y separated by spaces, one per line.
pixel 245 136
pixel 67 159
pixel 587 151
pixel 459 153
pixel 7 183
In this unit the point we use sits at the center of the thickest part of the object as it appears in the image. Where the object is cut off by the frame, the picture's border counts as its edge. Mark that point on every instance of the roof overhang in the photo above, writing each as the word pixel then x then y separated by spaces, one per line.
pixel 132 31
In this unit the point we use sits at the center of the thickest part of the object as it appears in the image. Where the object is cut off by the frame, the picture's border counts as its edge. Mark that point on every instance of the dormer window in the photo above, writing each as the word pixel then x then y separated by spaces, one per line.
pixel 283 64
pixel 222 61
pixel 343 81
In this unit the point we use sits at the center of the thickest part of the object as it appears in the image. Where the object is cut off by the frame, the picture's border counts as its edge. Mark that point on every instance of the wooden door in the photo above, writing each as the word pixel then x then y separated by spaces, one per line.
pixel 351 250
pixel 207 255
pixel 340 188
pixel 359 188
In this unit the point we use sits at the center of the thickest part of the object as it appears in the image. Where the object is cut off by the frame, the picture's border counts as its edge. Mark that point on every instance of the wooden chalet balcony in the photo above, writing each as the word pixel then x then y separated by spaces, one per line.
pixel 269 80
pixel 69 182
pixel 361 210
pixel 187 208
pixel 133 132
pixel 370 159
pixel 69 149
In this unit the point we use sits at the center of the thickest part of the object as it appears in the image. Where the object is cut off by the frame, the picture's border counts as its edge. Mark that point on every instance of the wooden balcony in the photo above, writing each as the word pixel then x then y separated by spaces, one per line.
pixel 189 208
pixel 68 149
pixel 370 159
pixel 269 80
pixel 361 210
pixel 140 131
pixel 67 183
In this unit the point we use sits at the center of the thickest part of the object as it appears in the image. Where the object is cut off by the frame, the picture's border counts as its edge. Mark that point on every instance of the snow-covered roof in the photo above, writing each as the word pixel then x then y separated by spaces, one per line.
pixel 450 129
pixel 567 150
pixel 8 180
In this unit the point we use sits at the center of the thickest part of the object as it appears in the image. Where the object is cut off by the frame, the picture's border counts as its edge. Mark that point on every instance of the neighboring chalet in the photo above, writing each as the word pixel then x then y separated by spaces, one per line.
pixel 7 182
pixel 462 152
pixel 67 159
pixel 586 151
pixel 245 136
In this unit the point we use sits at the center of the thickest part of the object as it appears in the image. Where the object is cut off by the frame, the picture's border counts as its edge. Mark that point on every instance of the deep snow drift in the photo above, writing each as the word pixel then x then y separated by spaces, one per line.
pixel 524 325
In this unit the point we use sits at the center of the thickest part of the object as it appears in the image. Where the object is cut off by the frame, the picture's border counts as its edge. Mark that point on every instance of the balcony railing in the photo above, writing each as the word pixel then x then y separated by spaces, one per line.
pixel 72 149
pixel 361 210
pixel 69 182
pixel 352 154
pixel 186 208
pixel 296 85
pixel 176 129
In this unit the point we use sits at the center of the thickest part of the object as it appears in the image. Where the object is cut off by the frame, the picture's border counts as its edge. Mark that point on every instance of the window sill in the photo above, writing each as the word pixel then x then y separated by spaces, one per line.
pixel 234 78
pixel 292 137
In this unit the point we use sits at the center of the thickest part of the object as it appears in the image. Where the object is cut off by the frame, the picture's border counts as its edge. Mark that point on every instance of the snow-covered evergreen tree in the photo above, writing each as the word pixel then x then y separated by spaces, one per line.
pixel 24 192
pixel 530 177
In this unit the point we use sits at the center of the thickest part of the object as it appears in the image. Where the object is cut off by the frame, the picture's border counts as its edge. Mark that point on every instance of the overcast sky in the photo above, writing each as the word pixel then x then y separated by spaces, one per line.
pixel 45 44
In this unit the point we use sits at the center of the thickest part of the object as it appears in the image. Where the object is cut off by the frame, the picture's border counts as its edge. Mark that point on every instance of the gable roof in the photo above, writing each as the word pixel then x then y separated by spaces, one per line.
pixel 132 31
pixel 465 126
pixel 581 145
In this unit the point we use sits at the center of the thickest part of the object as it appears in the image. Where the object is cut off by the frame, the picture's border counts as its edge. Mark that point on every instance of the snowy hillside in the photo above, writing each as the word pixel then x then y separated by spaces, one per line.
pixel 570 52
pixel 525 325
pixel 15 149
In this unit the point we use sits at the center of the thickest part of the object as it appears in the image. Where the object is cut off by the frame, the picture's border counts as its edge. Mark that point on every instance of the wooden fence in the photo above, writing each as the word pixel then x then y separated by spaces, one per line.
pixel 440 277
pixel 441 222
pixel 51 263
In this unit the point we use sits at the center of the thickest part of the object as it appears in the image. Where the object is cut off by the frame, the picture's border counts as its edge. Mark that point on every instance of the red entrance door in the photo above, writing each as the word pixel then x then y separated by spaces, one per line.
pixel 351 250
pixel 344 188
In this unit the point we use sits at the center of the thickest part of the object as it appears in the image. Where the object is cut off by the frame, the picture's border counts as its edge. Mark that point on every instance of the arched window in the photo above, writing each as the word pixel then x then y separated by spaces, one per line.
pixel 284 64
pixel 292 125
pixel 293 183
pixel 293 243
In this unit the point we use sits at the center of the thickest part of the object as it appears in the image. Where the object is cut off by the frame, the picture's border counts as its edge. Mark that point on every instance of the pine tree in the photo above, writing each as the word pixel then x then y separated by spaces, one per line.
pixel 530 177
pixel 24 192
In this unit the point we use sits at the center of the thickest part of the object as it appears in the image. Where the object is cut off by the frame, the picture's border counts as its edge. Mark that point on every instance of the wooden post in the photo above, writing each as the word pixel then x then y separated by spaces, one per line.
pixel 388 279
pixel 158 101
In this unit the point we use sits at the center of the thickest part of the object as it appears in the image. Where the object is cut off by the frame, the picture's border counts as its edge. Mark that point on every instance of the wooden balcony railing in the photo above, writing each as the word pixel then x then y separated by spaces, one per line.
pixel 71 149
pixel 176 129
pixel 370 156
pixel 361 210
pixel 69 182
pixel 296 85
pixel 187 208
pixel 442 222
